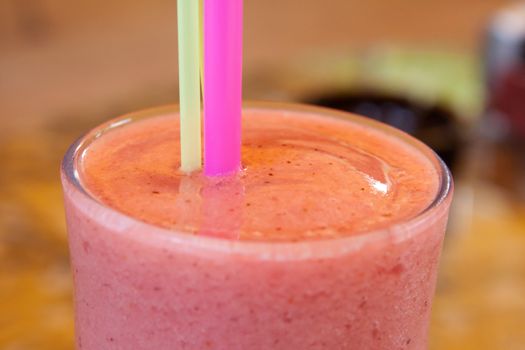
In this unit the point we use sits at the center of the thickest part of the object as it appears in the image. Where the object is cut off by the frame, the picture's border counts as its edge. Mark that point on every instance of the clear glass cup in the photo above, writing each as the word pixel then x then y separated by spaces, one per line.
pixel 139 286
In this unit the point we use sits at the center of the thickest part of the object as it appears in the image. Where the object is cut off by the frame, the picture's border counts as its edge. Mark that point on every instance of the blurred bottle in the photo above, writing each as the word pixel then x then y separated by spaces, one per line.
pixel 505 65
pixel 500 146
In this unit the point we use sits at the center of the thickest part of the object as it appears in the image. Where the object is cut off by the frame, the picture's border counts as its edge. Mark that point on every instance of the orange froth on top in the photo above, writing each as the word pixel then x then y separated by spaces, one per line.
pixel 304 177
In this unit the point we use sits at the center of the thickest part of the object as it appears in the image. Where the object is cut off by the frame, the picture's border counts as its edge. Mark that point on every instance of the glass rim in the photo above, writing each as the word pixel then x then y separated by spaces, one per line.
pixel 265 249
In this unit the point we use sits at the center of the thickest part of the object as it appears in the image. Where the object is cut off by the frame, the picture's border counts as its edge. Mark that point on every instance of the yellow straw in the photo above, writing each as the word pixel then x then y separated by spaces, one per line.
pixel 201 41
pixel 189 85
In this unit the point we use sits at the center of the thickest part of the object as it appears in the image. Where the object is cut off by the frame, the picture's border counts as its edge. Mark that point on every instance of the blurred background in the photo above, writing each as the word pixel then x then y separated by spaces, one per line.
pixel 450 72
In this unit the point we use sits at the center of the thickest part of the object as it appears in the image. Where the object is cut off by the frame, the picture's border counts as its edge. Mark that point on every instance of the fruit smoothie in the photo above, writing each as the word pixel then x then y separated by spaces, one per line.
pixel 329 236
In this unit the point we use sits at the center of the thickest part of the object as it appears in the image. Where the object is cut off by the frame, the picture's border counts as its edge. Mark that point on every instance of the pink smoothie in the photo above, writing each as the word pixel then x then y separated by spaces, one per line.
pixel 328 238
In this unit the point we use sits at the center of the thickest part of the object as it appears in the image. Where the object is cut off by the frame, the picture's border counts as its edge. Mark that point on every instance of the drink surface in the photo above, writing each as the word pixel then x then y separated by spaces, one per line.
pixel 303 177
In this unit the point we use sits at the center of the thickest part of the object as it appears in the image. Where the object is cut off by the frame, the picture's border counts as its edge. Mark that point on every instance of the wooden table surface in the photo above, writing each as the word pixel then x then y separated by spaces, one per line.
pixel 90 64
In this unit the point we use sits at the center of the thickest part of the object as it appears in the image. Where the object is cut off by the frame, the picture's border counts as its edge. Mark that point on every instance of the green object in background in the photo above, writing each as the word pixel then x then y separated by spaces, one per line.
pixel 426 76
pixel 442 78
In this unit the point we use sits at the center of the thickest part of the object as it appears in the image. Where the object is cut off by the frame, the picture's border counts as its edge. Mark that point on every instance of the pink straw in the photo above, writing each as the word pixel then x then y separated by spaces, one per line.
pixel 222 86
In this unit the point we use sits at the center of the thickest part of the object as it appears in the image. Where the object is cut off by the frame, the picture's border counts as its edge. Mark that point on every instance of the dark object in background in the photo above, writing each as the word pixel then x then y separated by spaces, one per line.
pixel 505 73
pixel 498 155
pixel 434 125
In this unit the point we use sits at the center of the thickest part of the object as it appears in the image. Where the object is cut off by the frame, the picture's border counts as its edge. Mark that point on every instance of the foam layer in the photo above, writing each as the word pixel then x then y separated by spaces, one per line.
pixel 304 177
